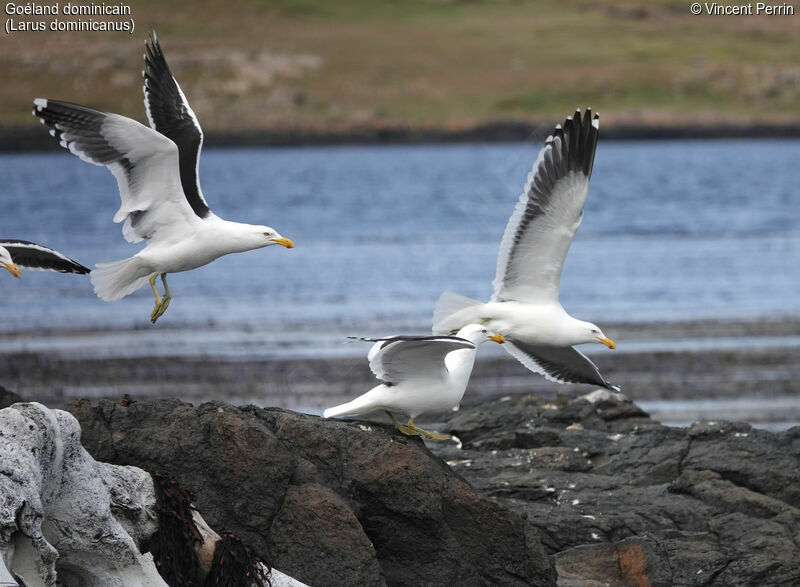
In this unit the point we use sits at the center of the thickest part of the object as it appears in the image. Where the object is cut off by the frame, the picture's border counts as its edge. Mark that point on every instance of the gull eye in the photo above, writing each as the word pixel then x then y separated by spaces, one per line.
pixel 484 331
pixel 267 234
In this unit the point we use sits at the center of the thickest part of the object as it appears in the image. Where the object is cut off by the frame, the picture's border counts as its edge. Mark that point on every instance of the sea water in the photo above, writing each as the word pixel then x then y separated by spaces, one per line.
pixel 676 230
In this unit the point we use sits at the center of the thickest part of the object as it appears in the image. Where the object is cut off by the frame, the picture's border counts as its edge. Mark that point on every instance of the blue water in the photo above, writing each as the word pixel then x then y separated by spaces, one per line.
pixel 672 230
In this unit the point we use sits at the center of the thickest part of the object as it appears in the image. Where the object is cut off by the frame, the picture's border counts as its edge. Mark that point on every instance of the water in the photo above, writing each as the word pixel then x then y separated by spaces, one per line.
pixel 672 231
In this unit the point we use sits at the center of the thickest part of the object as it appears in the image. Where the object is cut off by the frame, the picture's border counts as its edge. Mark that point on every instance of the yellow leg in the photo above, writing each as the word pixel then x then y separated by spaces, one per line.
pixel 431 435
pixel 155 291
pixel 161 303
pixel 402 428
pixel 412 429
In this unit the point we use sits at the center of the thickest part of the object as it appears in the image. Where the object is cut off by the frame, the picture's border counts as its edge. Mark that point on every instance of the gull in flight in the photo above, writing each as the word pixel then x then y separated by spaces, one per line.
pixel 18 254
pixel 525 306
pixel 157 174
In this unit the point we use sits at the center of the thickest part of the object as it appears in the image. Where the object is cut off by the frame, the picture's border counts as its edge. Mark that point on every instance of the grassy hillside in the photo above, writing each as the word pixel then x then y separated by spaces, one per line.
pixel 344 64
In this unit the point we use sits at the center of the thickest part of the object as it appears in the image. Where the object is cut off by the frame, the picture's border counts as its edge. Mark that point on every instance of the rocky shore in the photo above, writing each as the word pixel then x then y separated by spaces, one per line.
pixel 531 491
pixel 619 499
pixel 588 491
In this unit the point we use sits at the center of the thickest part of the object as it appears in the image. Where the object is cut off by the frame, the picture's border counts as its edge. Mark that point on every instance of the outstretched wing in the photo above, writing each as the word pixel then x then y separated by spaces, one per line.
pixel 144 162
pixel 169 113
pixel 38 257
pixel 405 358
pixel 559 364
pixel 540 230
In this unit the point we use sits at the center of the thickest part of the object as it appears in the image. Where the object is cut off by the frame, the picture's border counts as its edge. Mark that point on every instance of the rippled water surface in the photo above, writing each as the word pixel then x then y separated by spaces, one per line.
pixel 672 230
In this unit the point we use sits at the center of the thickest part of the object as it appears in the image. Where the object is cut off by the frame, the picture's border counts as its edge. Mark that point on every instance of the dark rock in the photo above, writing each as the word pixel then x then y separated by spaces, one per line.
pixel 8 397
pixel 315 524
pixel 615 497
pixel 621 500
pixel 327 502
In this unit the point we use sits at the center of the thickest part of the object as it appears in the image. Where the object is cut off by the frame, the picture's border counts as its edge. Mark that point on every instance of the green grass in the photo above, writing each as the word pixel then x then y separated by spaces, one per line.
pixel 423 62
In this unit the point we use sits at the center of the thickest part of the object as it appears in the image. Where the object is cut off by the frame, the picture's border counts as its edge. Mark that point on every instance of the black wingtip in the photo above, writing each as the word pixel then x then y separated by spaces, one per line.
pixel 580 139
pixel 153 47
pixel 587 117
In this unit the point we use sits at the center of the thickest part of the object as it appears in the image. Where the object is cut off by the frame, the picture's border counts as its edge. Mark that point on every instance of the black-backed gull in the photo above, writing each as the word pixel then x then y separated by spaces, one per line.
pixel 16 254
pixel 525 306
pixel 156 171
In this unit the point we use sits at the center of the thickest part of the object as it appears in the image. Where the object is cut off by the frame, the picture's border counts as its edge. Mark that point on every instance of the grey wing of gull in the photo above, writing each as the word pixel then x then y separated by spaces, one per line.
pixel 38 257
pixel 549 211
pixel 143 161
pixel 559 364
pixel 403 358
pixel 169 113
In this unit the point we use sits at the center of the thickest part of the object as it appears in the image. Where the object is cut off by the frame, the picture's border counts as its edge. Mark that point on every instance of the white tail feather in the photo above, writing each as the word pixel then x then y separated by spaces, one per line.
pixel 118 279
pixel 361 405
pixel 449 304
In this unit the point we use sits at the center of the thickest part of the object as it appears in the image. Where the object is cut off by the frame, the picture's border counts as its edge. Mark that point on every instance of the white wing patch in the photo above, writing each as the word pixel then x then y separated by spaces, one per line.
pixel 143 161
pixel 547 215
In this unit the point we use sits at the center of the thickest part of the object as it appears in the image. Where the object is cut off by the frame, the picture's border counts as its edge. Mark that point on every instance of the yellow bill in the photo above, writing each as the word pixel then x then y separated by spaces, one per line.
pixel 286 242
pixel 13 269
pixel 608 342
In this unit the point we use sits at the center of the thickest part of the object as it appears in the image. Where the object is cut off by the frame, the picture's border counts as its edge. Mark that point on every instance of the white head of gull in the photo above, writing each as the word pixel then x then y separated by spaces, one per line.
pixel 525 306
pixel 419 374
pixel 157 174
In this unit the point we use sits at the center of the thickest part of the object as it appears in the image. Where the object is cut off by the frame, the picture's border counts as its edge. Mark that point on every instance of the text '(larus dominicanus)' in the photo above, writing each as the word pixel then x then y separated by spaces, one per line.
pixel 16 255
pixel 420 374
pixel 156 171
pixel 525 306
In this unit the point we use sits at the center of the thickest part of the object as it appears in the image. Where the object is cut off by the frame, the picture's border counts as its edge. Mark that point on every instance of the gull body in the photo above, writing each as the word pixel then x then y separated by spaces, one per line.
pixel 157 174
pixel 525 307
pixel 420 374
pixel 221 237
pixel 532 323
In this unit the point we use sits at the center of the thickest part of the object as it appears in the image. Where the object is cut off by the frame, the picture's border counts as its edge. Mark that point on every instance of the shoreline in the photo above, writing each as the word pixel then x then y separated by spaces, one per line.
pixel 664 369
pixel 30 138
pixel 760 388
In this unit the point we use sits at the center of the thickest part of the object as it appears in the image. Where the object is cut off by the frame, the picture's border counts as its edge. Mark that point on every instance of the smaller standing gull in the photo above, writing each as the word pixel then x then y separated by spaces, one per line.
pixel 525 305
pixel 156 172
pixel 420 374
pixel 15 254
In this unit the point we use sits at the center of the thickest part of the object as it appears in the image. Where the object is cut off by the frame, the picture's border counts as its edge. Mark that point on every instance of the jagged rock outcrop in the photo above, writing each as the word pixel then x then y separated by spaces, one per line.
pixel 64 516
pixel 334 503
pixel 620 499
pixel 68 520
